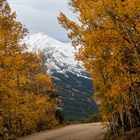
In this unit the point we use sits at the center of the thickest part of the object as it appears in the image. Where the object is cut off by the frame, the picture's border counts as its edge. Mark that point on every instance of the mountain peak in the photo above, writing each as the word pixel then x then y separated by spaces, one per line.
pixel 41 35
pixel 69 76
pixel 60 56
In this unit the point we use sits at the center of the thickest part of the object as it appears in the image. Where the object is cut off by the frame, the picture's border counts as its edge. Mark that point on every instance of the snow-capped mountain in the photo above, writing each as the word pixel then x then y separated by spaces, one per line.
pixel 60 56
pixel 73 83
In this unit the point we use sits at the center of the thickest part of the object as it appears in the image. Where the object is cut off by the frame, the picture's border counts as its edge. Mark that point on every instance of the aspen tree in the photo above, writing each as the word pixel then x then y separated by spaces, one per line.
pixel 108 35
pixel 26 103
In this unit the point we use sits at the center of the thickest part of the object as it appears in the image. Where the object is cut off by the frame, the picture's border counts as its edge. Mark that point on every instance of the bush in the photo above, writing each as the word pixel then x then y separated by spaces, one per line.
pixel 93 118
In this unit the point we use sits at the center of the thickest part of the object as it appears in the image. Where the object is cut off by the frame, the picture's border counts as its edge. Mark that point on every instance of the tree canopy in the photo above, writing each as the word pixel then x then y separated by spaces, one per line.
pixel 107 37
pixel 26 101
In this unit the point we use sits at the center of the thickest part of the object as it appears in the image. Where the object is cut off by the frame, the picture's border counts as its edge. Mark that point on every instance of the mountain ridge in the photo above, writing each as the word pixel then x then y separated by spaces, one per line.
pixel 74 84
pixel 62 54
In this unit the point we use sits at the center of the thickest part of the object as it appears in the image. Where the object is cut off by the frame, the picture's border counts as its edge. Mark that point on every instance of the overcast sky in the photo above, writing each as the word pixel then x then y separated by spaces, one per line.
pixel 41 16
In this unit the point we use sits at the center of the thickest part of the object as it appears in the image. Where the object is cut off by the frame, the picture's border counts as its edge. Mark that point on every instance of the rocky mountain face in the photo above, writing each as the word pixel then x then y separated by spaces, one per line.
pixel 73 83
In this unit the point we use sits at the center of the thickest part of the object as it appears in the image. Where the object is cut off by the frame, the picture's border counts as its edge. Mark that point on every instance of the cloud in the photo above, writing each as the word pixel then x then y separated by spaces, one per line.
pixel 41 16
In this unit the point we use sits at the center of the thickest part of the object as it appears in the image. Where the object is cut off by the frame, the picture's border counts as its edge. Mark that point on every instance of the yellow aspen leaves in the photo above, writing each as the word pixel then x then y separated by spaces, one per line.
pixel 108 35
pixel 26 102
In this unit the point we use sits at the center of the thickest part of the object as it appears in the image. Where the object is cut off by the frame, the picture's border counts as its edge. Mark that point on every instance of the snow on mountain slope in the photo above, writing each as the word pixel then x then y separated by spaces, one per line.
pixel 60 56
pixel 73 83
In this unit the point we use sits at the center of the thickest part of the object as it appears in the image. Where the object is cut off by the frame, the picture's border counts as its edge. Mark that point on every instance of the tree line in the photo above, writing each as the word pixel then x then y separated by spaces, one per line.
pixel 28 101
pixel 107 37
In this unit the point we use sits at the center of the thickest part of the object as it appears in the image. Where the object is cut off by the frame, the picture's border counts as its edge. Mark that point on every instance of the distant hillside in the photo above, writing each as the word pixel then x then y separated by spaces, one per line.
pixel 76 93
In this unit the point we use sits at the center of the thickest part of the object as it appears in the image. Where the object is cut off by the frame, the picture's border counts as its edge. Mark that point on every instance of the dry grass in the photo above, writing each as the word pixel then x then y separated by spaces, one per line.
pixel 129 135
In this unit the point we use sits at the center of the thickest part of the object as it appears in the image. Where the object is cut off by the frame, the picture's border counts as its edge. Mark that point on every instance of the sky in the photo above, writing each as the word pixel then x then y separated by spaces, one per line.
pixel 41 16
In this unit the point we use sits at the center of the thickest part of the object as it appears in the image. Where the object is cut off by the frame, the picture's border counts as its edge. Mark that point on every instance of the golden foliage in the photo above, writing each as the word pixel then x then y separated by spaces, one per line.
pixel 108 35
pixel 26 102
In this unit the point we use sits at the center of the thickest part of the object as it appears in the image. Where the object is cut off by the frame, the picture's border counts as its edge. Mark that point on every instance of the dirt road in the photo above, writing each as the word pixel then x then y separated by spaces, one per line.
pixel 91 131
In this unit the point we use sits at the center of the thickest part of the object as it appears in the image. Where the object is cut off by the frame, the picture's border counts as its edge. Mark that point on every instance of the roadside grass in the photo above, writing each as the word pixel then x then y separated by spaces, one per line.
pixel 70 123
pixel 133 134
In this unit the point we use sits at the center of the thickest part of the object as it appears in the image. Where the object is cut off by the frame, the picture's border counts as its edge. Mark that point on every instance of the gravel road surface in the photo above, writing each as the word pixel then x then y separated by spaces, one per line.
pixel 89 131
